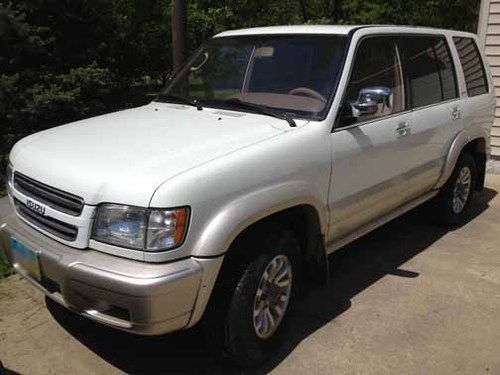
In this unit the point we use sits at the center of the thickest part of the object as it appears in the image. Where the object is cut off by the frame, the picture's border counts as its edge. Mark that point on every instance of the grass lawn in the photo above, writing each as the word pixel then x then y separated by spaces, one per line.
pixel 5 268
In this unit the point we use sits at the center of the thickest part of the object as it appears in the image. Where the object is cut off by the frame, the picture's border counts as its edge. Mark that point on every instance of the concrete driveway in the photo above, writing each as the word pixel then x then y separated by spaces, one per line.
pixel 408 298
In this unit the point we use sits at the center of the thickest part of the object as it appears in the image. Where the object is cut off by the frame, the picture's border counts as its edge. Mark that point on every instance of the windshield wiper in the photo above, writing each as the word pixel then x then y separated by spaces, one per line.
pixel 169 98
pixel 261 109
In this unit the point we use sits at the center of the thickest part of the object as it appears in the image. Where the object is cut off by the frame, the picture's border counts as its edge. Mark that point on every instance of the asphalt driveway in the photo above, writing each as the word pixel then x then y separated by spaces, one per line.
pixel 408 298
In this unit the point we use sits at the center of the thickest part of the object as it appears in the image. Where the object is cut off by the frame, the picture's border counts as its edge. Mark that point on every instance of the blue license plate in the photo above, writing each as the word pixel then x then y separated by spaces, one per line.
pixel 25 259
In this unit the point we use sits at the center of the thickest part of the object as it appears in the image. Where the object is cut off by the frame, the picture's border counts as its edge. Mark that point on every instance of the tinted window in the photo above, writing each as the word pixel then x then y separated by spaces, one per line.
pixel 472 65
pixel 431 76
pixel 375 87
pixel 288 73
pixel 446 68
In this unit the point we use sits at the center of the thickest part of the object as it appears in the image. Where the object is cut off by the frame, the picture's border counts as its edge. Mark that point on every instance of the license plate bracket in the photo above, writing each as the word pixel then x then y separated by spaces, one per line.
pixel 25 258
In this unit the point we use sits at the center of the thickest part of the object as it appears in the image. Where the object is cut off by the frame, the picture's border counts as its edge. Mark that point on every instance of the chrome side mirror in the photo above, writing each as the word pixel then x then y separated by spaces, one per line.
pixel 369 100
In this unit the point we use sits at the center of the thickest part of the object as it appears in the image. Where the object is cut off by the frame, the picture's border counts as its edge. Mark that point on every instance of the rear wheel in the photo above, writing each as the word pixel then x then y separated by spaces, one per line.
pixel 454 201
pixel 256 316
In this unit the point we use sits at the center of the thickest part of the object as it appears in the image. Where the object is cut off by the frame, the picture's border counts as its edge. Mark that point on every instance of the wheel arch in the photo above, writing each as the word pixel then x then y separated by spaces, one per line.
pixel 475 143
pixel 304 221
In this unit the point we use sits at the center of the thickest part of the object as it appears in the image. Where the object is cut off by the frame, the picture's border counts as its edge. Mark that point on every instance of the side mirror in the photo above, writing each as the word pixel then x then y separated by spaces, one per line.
pixel 370 98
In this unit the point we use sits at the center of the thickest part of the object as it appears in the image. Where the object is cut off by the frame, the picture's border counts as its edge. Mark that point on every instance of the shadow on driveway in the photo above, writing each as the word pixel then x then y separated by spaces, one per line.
pixel 353 269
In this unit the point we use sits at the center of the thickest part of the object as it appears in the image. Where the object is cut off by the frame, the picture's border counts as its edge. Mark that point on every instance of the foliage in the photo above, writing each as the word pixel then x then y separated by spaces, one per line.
pixel 69 59
pixel 5 268
pixel 66 60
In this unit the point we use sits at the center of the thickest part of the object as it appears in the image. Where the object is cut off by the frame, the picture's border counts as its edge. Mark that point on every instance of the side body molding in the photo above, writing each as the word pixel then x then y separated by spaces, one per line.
pixel 463 138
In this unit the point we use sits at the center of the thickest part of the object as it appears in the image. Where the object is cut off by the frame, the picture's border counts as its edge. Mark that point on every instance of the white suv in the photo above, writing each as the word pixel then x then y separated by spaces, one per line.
pixel 270 149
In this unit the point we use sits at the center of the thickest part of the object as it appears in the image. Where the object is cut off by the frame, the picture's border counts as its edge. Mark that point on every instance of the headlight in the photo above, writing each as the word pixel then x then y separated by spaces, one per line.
pixel 166 228
pixel 141 228
pixel 10 177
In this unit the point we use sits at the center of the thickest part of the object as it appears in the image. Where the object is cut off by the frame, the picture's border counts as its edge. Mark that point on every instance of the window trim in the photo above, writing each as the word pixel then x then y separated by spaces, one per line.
pixel 481 61
pixel 435 104
pixel 371 121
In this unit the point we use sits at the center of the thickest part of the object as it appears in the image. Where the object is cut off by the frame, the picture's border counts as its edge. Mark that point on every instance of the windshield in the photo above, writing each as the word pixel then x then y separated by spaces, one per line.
pixel 293 74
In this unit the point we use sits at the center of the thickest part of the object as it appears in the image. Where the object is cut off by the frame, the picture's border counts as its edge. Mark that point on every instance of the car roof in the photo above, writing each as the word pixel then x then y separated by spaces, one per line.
pixel 334 29
pixel 299 29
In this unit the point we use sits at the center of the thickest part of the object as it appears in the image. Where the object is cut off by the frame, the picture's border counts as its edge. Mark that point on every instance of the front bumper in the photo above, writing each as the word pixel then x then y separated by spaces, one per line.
pixel 142 298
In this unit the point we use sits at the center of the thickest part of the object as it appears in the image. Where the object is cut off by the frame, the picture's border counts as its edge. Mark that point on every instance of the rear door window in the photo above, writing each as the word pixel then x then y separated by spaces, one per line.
pixel 472 65
pixel 430 72
pixel 446 68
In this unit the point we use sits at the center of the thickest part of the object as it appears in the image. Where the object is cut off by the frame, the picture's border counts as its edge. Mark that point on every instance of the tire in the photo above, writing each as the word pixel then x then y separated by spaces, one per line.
pixel 455 198
pixel 244 341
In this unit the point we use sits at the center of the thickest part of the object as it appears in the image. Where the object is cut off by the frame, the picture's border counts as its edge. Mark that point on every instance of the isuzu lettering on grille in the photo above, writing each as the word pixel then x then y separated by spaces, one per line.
pixel 35 207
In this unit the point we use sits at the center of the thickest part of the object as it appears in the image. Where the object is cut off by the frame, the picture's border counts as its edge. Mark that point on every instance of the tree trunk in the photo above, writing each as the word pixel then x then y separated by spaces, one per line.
pixel 179 26
pixel 304 10
pixel 337 10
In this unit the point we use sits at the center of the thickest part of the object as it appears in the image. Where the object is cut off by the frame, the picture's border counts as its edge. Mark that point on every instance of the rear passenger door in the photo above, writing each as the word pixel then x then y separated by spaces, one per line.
pixel 432 89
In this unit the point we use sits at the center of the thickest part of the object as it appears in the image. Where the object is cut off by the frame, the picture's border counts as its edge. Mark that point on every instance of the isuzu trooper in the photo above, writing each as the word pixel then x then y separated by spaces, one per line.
pixel 270 149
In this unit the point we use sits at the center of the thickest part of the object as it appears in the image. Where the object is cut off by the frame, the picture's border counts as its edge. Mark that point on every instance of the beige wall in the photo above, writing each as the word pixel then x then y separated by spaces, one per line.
pixel 489 33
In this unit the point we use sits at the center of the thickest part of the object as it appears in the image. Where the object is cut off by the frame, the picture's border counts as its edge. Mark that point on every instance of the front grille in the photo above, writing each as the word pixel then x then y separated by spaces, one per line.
pixel 56 227
pixel 52 197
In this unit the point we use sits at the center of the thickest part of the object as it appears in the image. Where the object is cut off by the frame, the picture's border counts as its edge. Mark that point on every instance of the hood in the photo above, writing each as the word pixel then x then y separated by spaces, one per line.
pixel 124 157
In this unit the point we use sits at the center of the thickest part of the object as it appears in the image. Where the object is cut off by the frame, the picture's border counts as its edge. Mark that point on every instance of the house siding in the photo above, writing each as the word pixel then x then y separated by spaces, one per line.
pixel 489 33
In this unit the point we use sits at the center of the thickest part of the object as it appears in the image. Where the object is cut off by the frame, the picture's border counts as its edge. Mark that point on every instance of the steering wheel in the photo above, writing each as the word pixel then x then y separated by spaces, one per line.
pixel 304 91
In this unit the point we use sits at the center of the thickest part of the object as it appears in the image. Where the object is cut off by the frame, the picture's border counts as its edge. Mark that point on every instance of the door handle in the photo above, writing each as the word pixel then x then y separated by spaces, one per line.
pixel 455 113
pixel 403 128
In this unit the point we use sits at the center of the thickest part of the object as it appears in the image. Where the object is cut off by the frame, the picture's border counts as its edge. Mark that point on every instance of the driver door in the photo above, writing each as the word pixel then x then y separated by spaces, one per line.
pixel 369 161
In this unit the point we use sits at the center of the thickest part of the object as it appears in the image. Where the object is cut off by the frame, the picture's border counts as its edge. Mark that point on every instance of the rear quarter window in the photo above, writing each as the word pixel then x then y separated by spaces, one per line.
pixel 472 66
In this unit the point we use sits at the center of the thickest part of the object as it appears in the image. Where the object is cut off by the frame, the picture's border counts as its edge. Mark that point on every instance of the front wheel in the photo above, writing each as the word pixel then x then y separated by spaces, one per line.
pixel 454 201
pixel 261 301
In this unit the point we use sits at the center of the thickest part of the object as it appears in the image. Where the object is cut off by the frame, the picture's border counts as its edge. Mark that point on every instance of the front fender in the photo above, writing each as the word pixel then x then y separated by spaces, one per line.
pixel 228 222
pixel 230 193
